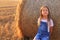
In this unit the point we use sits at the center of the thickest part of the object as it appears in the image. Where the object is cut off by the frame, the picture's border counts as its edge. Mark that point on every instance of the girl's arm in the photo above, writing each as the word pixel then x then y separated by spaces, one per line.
pixel 51 29
pixel 51 26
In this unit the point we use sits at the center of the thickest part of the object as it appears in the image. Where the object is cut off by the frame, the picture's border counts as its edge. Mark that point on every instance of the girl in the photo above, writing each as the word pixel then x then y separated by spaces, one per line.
pixel 45 24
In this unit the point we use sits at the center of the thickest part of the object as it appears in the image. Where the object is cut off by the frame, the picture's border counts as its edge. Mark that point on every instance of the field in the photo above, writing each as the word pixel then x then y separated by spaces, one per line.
pixel 8 24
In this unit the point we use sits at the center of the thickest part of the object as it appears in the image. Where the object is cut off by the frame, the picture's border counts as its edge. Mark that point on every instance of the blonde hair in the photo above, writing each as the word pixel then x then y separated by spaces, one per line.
pixel 49 17
pixel 48 12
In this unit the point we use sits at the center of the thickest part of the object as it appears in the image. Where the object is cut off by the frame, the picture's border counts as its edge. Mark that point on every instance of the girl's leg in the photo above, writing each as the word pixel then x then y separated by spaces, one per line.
pixel 37 37
pixel 45 38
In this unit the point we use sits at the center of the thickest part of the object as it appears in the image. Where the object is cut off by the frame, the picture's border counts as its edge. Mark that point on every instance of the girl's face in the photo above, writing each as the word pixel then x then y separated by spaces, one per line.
pixel 44 11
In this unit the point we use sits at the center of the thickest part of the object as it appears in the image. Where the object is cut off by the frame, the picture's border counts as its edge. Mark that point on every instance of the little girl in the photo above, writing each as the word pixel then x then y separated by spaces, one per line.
pixel 45 24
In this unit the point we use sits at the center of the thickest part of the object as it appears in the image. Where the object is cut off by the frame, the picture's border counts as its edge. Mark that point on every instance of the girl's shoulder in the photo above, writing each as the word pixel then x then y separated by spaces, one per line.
pixel 51 22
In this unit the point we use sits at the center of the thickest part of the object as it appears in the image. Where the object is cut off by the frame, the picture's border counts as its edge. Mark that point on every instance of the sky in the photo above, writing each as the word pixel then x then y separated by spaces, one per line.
pixel 8 2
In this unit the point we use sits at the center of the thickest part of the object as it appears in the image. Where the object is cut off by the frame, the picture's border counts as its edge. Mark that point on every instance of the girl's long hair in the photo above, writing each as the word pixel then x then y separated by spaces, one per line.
pixel 49 17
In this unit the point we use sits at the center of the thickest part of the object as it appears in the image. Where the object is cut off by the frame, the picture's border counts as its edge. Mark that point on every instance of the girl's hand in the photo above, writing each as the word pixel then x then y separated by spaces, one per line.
pixel 51 29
